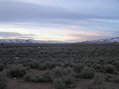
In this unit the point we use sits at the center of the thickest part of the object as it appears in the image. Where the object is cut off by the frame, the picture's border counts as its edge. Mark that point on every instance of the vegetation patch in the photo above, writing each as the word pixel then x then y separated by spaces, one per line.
pixel 16 71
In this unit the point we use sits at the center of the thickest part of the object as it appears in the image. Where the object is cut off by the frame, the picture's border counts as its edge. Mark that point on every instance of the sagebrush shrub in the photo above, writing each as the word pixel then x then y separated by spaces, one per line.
pixel 117 80
pixel 87 72
pixel 27 77
pixel 63 81
pixel 60 71
pixel 78 67
pixel 59 83
pixel 52 65
pixel 34 78
pixel 109 68
pixel 1 67
pixel 3 84
pixel 98 79
pixel 31 77
pixel 63 77
pixel 97 82
pixel 42 66
pixel 97 66
pixel 116 64
pixel 68 79
pixel 34 65
pixel 45 77
pixel 16 70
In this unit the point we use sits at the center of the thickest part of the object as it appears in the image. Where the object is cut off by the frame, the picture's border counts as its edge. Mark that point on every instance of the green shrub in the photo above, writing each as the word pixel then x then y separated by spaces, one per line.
pixel 3 84
pixel 86 72
pixel 16 71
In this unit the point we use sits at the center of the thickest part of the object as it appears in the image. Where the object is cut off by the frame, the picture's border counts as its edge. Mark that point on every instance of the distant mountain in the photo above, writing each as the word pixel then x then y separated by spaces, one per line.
pixel 26 41
pixel 108 40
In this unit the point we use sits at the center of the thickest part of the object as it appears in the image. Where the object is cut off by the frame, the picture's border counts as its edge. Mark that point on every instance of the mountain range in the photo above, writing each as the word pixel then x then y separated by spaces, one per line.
pixel 108 40
pixel 26 41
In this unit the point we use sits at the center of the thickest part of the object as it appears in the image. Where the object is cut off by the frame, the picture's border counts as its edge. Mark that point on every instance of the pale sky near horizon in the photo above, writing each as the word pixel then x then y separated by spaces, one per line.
pixel 59 20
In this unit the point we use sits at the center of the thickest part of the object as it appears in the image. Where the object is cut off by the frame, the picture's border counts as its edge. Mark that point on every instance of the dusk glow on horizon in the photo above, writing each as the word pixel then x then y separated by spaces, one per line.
pixel 59 20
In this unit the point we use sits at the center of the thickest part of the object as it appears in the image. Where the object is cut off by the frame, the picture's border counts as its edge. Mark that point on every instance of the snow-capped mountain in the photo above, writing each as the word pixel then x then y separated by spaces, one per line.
pixel 108 40
pixel 26 41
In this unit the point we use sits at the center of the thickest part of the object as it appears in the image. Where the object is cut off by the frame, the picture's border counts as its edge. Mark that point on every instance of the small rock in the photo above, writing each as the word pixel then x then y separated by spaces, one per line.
pixel 14 78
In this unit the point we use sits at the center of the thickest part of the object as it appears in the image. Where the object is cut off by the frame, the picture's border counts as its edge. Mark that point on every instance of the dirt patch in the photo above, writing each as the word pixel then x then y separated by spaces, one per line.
pixel 35 71
pixel 21 84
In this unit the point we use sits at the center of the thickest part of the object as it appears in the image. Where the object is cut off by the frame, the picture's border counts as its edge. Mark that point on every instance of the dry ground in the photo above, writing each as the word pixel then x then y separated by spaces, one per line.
pixel 20 83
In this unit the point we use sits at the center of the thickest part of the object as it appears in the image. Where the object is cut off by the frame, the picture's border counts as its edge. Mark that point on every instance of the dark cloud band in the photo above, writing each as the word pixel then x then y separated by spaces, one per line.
pixel 13 11
pixel 15 34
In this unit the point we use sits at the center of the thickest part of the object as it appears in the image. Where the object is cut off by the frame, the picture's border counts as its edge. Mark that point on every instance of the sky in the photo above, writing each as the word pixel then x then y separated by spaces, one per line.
pixel 59 20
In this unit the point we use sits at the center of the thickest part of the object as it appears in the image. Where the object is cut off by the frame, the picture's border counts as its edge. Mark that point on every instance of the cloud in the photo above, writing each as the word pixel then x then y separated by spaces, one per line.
pixel 27 37
pixel 13 11
pixel 9 34
pixel 15 34
pixel 36 16
pixel 84 35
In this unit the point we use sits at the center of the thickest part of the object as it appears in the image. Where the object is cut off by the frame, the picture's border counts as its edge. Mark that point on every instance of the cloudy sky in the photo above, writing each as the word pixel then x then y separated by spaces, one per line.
pixel 61 20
